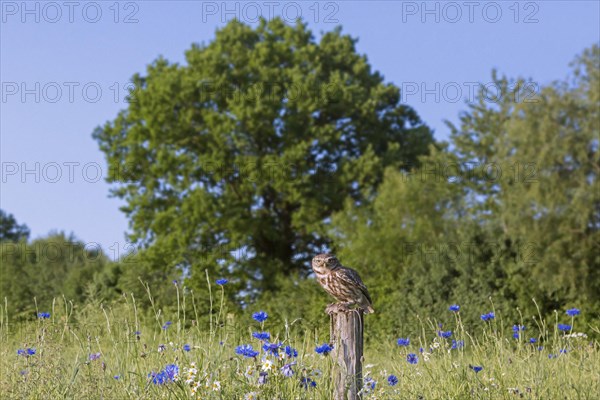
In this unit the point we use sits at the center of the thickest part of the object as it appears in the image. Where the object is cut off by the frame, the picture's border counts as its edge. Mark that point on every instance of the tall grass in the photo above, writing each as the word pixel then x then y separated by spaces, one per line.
pixel 95 351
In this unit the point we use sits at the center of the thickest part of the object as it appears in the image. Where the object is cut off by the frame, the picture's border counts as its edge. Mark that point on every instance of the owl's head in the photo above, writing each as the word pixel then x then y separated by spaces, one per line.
pixel 323 262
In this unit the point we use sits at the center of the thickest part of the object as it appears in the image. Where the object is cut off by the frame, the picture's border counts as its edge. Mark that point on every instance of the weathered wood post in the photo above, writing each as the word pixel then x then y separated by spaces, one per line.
pixel 347 339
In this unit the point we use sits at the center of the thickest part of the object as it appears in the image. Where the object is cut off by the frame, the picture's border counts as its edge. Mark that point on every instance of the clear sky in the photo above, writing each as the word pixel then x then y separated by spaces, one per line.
pixel 65 67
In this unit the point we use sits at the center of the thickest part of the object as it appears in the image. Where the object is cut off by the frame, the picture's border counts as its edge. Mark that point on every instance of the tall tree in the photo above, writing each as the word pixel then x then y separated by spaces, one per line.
pixel 237 159
pixel 10 230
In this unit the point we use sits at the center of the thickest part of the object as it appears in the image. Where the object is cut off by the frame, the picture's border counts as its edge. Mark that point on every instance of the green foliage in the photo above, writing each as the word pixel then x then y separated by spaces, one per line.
pixel 250 146
pixel 10 230
pixel 508 212
pixel 51 267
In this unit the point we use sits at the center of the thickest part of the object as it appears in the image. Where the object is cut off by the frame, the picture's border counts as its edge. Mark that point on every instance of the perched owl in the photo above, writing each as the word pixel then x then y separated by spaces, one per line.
pixel 342 283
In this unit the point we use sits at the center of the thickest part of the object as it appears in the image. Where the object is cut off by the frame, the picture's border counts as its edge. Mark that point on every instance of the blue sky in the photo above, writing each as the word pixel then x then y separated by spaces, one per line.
pixel 65 68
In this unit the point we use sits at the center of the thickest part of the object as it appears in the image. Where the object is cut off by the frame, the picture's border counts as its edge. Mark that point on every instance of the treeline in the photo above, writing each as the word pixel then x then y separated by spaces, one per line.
pixel 507 211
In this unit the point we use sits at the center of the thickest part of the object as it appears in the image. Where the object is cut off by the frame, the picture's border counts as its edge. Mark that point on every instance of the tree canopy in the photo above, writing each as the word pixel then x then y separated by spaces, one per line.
pixel 236 159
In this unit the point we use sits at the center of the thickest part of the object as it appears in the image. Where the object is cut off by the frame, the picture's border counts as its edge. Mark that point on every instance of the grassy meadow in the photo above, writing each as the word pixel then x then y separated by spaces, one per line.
pixel 111 352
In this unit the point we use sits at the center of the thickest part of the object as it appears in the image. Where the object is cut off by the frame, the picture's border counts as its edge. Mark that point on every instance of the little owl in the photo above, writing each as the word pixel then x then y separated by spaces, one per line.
pixel 342 283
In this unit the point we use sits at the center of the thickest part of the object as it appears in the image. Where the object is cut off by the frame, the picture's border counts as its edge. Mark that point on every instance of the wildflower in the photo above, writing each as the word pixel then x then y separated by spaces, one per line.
pixel 476 368
pixel 307 382
pixel 412 358
pixel 324 349
pixel 94 356
pixel 172 372
pixel 267 365
pixel 137 333
pixel 21 352
pixel 246 350
pixel 161 348
pixel 517 328
pixel 287 370
pixel 250 372
pixel 272 348
pixel 551 356
pixel 166 325
pixel 117 377
pixel 260 316
pixel 370 383
pixel 43 315
pixel 532 340
pixel 30 351
pixel 488 316
pixel 290 351
pixel 564 327
pixel 175 282
pixel 221 281
pixel 454 308
pixel 262 335
pixel 251 396
pixel 457 344
pixel 158 378
pixel 392 380
pixel 262 378
pixel 445 334
pixel 187 347
pixel 216 386
pixel 403 342
pixel 573 312
pixel 563 351
pixel 540 348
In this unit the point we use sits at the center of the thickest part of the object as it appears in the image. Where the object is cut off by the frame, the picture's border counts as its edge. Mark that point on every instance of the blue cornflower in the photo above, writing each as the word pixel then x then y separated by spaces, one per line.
pixel 171 370
pixel 573 312
pixel 403 341
pixel 221 281
pixel 272 348
pixel 370 383
pixel 307 382
pixel 260 316
pixel 517 328
pixel 563 351
pixel 551 356
pixel 532 340
pixel 262 378
pixel 324 349
pixel 392 380
pixel 515 335
pixel 117 377
pixel 290 351
pixel 166 325
pixel 540 348
pixel 457 344
pixel 488 316
pixel 262 335
pixel 175 282
pixel 564 327
pixel 287 370
pixel 476 368
pixel 445 334
pixel 31 351
pixel 94 356
pixel 412 358
pixel 158 378
pixel 454 308
pixel 246 350
pixel 43 315
pixel 187 347
pixel 21 352
pixel 137 333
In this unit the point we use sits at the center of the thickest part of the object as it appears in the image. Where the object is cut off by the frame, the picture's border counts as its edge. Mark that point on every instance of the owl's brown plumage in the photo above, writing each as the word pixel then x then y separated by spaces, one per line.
pixel 344 284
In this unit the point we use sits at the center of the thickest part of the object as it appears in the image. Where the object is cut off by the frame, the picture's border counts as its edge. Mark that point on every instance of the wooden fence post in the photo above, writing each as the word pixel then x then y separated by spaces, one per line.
pixel 347 339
